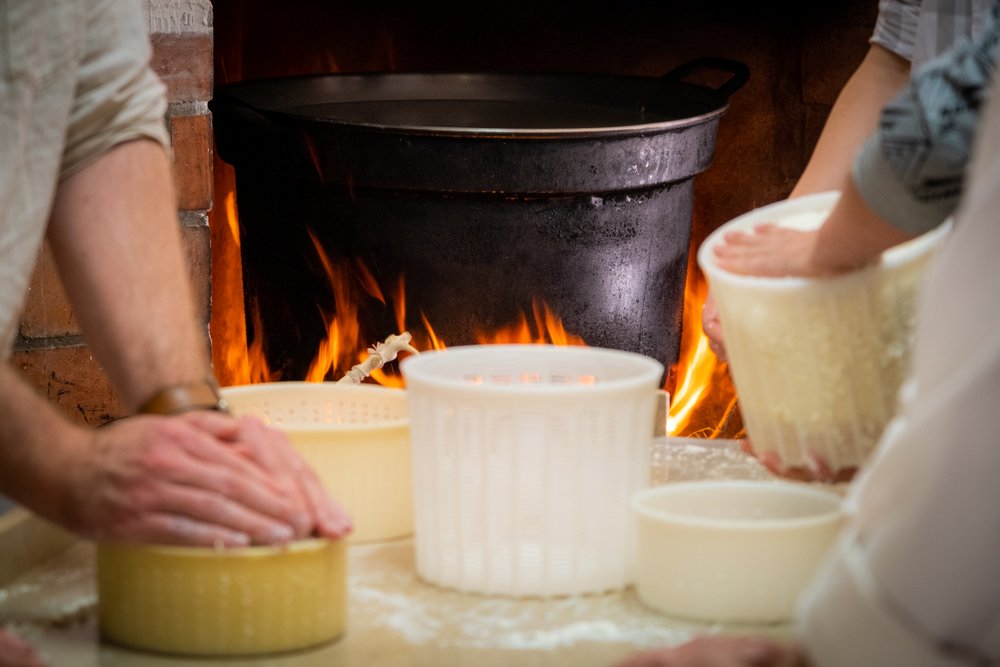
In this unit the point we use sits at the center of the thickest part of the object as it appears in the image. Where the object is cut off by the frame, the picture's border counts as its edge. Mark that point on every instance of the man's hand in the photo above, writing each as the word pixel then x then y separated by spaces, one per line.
pixel 15 652
pixel 271 449
pixel 719 651
pixel 201 478
pixel 771 251
pixel 197 479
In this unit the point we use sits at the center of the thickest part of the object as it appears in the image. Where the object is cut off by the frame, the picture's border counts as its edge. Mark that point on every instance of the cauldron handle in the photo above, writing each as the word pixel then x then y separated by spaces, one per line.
pixel 740 74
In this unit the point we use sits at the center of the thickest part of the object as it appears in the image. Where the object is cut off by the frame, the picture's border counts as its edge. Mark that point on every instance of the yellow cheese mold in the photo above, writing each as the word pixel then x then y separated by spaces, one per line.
pixel 203 601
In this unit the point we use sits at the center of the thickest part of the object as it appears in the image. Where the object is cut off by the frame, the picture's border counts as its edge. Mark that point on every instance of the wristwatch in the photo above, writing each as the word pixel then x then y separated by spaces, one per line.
pixel 185 397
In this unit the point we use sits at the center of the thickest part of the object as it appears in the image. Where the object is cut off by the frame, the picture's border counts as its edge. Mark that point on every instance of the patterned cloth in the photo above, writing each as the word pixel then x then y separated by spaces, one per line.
pixel 912 172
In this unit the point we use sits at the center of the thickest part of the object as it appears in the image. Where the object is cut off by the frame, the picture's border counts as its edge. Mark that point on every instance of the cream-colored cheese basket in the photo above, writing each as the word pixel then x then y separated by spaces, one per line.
pixel 728 551
pixel 356 438
pixel 818 362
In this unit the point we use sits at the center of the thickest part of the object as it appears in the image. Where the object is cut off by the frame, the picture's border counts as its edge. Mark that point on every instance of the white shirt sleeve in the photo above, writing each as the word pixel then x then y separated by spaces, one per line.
pixel 896 26
pixel 920 30
pixel 915 579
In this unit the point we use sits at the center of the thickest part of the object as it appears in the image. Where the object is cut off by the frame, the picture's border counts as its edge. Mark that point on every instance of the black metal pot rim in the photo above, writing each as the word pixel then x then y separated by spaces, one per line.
pixel 297 99
pixel 521 133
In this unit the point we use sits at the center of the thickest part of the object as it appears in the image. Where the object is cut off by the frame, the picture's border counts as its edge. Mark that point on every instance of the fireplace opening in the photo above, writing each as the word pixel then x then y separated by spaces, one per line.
pixel 483 196
pixel 354 287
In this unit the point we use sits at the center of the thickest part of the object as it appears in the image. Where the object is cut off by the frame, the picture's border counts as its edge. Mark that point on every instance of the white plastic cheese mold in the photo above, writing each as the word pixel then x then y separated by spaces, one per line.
pixel 524 461
pixel 731 551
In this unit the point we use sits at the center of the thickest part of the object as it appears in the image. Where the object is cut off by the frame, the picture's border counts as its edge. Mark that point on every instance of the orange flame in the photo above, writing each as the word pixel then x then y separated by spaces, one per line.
pixel 228 324
pixel 257 369
pixel 231 220
pixel 703 402
pixel 343 331
pixel 548 329
pixel 697 361
pixel 435 342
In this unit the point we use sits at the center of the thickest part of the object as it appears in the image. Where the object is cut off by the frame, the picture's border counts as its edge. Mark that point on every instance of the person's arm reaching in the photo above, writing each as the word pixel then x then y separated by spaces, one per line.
pixel 721 651
pixel 853 118
pixel 171 480
pixel 906 179
pixel 15 652
pixel 116 241
pixel 851 237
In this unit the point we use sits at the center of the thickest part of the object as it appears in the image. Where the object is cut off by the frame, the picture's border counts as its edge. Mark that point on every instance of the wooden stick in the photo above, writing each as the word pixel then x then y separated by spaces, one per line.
pixel 379 355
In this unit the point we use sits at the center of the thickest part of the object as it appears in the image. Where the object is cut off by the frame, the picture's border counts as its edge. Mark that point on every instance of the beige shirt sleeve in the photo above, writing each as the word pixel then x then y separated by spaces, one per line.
pixel 75 81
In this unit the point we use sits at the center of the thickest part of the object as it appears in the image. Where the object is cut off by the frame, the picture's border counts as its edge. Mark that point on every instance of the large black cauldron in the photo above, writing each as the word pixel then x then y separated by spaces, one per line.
pixel 487 192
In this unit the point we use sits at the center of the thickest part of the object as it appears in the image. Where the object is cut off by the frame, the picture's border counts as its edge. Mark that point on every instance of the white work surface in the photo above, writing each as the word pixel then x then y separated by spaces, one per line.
pixel 393 617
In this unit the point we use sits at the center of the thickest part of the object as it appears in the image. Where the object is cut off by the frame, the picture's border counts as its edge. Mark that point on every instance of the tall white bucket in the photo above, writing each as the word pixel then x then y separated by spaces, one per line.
pixel 525 458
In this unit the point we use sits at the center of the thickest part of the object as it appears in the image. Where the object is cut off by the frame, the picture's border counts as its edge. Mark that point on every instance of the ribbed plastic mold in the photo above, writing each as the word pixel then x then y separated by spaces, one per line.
pixel 223 602
pixel 524 461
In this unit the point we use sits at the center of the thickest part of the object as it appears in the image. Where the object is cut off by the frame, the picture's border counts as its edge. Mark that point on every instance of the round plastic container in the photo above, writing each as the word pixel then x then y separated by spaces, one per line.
pixel 223 602
pixel 731 551
pixel 817 363
pixel 356 438
pixel 524 461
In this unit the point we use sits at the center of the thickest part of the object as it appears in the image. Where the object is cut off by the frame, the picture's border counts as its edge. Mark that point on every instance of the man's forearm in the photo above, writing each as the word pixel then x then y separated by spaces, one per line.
pixel 35 441
pixel 116 239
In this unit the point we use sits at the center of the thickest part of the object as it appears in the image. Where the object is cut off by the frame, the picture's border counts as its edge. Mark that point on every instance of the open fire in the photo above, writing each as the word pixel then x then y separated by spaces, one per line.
pixel 703 401
pixel 763 143
pixel 370 298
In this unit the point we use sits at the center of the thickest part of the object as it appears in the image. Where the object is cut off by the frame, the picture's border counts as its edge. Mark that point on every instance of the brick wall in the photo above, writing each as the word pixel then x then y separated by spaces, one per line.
pixel 50 349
